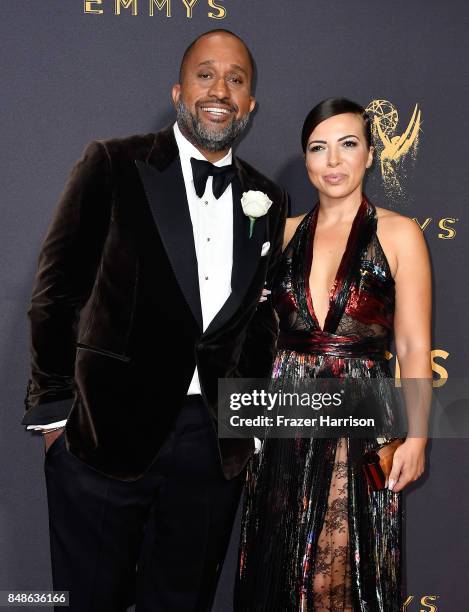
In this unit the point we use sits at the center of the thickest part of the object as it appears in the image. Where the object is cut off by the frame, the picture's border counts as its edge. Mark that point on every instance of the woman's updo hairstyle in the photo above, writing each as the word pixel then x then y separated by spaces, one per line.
pixel 329 108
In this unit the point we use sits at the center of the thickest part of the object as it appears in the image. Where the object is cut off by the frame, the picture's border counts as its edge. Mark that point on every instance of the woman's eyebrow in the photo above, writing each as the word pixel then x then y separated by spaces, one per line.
pixel 348 136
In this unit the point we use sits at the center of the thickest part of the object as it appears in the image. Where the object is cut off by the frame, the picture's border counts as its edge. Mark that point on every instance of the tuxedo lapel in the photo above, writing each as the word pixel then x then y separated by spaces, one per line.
pixel 162 179
pixel 246 251
pixel 167 198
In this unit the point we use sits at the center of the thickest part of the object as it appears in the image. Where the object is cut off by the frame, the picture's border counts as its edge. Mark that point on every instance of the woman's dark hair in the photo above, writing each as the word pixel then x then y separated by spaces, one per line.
pixel 329 108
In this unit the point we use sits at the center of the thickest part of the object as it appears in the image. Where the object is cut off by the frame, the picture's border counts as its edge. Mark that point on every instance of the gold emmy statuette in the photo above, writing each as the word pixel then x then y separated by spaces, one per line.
pixel 392 147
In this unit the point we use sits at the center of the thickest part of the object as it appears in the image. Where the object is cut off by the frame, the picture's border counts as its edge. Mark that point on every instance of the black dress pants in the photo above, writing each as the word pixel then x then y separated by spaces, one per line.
pixel 159 541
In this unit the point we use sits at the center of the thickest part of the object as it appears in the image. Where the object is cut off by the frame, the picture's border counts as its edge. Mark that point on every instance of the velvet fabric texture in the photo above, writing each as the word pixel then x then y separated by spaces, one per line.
pixel 116 323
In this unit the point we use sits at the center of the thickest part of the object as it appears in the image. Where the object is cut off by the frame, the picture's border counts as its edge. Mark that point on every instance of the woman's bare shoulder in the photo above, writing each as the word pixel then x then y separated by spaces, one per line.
pixel 400 237
pixel 396 226
pixel 291 226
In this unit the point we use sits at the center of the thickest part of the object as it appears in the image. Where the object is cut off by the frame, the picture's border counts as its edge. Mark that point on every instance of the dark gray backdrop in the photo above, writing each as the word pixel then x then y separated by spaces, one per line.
pixel 68 77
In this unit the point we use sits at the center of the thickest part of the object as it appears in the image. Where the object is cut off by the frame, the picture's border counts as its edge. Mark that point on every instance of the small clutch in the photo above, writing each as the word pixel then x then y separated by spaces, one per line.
pixel 377 463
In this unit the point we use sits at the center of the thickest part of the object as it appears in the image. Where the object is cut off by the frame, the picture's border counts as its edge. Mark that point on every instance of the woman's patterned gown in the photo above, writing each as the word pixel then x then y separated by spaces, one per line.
pixel 314 536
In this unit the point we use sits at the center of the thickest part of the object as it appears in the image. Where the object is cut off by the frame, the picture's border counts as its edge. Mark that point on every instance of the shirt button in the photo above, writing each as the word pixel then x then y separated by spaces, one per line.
pixel 208 239
pixel 206 202
pixel 206 278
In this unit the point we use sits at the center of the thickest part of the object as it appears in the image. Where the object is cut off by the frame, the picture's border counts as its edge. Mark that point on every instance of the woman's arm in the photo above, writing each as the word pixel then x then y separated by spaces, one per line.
pixel 412 332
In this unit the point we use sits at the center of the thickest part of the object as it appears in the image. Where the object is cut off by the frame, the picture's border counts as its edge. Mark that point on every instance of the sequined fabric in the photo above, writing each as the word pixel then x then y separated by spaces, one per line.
pixel 314 536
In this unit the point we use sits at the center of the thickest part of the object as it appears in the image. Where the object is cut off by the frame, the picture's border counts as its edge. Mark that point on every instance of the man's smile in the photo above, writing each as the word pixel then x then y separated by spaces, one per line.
pixel 215 112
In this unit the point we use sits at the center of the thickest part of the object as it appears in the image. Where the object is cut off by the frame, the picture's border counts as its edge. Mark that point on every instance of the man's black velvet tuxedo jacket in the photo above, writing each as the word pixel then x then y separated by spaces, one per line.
pixel 116 323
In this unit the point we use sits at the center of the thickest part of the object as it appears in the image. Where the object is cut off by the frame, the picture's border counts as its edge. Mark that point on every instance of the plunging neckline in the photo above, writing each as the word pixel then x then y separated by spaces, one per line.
pixel 338 283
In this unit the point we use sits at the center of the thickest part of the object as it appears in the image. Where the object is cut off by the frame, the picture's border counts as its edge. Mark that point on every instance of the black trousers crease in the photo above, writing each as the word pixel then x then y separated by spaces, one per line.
pixel 158 542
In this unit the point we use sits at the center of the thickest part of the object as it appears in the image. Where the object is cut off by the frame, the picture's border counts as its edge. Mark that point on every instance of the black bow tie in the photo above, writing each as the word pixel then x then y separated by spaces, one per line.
pixel 222 176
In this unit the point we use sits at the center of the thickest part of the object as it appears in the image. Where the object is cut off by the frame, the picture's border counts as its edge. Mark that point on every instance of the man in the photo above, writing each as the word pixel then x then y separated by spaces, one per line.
pixel 147 292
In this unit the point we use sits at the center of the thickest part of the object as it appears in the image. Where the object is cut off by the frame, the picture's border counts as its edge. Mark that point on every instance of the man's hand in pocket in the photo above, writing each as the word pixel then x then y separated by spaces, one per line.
pixel 51 437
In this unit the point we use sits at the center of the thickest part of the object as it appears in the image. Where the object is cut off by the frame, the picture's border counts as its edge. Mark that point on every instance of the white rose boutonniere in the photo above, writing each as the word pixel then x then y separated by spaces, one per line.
pixel 255 204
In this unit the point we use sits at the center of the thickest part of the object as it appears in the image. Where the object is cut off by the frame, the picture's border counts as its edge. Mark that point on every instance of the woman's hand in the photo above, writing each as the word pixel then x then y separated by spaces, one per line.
pixel 408 463
pixel 265 295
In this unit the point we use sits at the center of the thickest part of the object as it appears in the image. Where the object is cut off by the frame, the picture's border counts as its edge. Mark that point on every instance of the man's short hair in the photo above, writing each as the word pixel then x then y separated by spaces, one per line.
pixel 217 31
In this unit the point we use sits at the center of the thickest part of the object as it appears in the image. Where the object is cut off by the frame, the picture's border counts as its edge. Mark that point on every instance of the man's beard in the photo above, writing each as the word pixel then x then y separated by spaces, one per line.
pixel 204 138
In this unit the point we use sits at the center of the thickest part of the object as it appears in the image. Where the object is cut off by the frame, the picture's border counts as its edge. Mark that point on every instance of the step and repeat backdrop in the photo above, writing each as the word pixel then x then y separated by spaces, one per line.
pixel 76 70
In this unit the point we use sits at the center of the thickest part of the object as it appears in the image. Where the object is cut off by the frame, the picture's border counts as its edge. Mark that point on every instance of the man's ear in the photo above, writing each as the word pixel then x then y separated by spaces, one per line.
pixel 176 93
pixel 252 103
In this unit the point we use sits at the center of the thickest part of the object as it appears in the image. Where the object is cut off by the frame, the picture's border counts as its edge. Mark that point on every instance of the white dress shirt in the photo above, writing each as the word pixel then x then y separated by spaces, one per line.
pixel 212 224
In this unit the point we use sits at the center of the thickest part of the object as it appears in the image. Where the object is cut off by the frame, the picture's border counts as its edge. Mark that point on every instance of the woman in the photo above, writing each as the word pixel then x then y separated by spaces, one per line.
pixel 315 536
